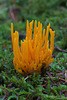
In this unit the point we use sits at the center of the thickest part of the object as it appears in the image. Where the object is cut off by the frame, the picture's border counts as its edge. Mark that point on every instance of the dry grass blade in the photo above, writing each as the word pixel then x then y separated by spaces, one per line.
pixel 66 76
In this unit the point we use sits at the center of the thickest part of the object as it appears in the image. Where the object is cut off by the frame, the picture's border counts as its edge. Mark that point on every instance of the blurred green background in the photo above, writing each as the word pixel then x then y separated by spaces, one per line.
pixel 45 11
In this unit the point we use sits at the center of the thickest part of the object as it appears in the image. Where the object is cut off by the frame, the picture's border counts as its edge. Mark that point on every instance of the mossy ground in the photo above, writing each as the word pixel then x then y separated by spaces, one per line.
pixel 52 85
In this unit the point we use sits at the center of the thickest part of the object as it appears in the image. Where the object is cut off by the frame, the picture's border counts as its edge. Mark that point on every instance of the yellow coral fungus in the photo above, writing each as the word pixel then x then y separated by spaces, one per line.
pixel 34 51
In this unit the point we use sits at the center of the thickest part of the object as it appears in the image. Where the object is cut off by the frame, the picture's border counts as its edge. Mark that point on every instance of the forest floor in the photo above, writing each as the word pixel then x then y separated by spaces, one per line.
pixel 53 84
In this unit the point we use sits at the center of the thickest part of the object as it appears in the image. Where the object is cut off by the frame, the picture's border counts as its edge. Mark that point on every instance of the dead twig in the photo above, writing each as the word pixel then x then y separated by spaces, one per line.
pixel 28 96
pixel 62 79
pixel 50 76
pixel 57 48
pixel 26 78
pixel 13 15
